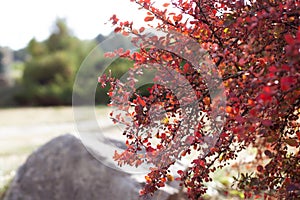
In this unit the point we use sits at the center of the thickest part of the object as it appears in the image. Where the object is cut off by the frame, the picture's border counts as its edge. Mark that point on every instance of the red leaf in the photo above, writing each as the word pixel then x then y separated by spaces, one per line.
pixel 285 67
pixel 267 90
pixel 118 29
pixel 266 95
pixel 202 163
pixel 114 19
pixel 289 39
pixel 142 29
pixel 150 149
pixel 259 168
pixel 180 172
pixel 273 69
pixel 298 134
pixel 286 83
pixel 224 135
pixel 166 4
pixel 160 184
pixel 110 94
pixel 109 54
pixel 199 162
pixel 142 192
pixel 248 19
pixel 186 67
pixel 267 122
pixel 148 18
pixel 125 54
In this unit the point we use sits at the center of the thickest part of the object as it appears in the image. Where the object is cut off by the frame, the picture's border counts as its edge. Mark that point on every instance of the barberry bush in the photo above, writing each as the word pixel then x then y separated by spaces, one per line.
pixel 254 51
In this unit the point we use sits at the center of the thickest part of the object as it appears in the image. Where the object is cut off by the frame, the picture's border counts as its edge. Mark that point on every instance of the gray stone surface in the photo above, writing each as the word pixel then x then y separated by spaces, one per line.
pixel 63 169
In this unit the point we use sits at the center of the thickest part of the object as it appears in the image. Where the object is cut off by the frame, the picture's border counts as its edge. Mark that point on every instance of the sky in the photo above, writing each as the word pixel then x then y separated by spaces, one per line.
pixel 21 20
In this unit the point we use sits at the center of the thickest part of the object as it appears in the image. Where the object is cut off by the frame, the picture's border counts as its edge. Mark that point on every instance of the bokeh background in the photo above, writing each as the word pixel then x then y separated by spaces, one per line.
pixel 42 45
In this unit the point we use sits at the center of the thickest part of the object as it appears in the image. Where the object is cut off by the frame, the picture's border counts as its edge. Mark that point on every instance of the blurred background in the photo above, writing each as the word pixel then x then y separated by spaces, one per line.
pixel 42 45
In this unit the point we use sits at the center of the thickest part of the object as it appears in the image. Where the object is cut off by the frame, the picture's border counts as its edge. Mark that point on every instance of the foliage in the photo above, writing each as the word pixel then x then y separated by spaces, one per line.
pixel 255 48
pixel 117 68
pixel 50 70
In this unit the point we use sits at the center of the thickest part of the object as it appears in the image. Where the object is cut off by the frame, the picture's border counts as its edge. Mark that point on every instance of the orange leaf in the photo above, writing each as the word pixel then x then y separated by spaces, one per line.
pixel 177 18
pixel 148 179
pixel 251 102
pixel 141 101
pixel 229 109
pixel 206 100
pixel 166 4
pixel 148 18
pixel 125 33
pixel 167 57
pixel 134 31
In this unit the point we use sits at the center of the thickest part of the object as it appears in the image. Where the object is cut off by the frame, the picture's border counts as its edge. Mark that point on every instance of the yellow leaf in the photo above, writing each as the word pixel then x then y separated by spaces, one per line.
pixel 165 120
pixel 221 157
pixel 226 30
pixel 170 177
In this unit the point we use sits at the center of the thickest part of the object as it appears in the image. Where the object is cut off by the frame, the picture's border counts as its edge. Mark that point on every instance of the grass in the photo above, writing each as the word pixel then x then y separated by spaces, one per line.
pixel 5 187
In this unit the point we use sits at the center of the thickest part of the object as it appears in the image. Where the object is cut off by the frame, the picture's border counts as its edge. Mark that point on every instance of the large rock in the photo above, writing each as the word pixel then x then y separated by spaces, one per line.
pixel 64 170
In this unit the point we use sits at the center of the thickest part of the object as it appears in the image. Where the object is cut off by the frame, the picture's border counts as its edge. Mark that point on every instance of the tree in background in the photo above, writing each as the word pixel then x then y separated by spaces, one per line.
pixel 50 70
pixel 255 46
pixel 61 38
pixel 51 66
